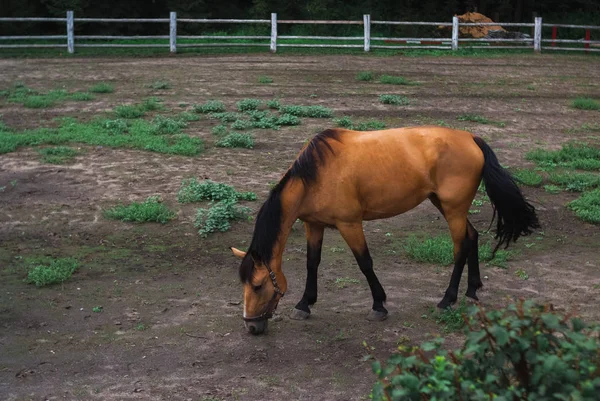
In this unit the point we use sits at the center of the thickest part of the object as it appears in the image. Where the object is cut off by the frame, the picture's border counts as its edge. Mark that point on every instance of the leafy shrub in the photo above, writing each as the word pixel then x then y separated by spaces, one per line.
pixel 212 106
pixel 149 210
pixel 452 319
pixel 218 217
pixel 344 122
pixel 166 125
pixel 236 140
pixel 38 102
pixel 193 191
pixel 307 111
pixel 58 154
pixel 241 125
pixel 586 103
pixel 587 207
pixel 58 271
pixel 129 111
pixel 116 127
pixel 263 79
pixel 364 76
pixel 288 119
pixel 273 104
pixel 394 100
pixel 264 120
pixel 248 104
pixel 219 130
pixel 528 177
pixel 522 352
pixel 102 87
pixel 187 116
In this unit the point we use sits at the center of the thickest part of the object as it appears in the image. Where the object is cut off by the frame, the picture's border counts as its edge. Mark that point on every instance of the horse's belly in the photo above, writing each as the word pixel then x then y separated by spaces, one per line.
pixel 384 207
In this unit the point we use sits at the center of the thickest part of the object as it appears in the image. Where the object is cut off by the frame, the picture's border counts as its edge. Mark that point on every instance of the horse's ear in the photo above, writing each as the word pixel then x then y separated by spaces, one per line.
pixel 238 253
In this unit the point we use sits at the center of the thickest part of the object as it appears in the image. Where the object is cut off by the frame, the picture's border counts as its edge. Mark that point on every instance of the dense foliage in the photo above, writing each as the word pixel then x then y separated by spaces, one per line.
pixel 523 352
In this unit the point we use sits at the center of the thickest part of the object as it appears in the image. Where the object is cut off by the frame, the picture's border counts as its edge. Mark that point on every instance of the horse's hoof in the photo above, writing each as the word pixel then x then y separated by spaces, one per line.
pixel 445 304
pixel 298 314
pixel 377 316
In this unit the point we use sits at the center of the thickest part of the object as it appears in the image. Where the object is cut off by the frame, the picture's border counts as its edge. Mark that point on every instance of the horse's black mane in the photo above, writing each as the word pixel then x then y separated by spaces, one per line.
pixel 268 220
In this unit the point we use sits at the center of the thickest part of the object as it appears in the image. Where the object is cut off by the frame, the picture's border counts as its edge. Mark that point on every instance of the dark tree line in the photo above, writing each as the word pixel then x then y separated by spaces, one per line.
pixel 573 11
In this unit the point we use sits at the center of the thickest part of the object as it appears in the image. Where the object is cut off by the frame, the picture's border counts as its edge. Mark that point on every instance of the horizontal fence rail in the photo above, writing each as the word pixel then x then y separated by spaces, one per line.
pixel 273 41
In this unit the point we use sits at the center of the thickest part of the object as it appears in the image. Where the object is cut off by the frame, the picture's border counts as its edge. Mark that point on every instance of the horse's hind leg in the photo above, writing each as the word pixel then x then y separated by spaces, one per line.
pixel 314 240
pixel 355 238
pixel 474 280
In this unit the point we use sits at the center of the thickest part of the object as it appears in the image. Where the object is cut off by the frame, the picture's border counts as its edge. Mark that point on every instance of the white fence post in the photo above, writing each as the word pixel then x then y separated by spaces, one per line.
pixel 173 32
pixel 367 24
pixel 70 33
pixel 537 35
pixel 455 33
pixel 273 32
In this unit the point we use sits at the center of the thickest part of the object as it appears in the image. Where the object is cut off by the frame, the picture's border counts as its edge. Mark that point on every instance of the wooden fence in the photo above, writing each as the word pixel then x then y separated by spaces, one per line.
pixel 537 43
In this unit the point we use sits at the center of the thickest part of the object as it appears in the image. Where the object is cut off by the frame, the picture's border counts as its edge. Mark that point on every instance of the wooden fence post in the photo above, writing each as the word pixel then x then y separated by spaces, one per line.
pixel 367 26
pixel 455 33
pixel 273 32
pixel 70 33
pixel 173 32
pixel 537 35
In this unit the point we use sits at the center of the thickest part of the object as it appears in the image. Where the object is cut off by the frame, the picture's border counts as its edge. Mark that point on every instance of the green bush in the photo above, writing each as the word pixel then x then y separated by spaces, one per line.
pixel 248 104
pixel 528 177
pixel 58 271
pixel 212 106
pixel 193 191
pixel 364 76
pixel 168 126
pixel 129 111
pixel 586 103
pixel 236 140
pixel 218 217
pixel 273 104
pixel 307 111
pixel 587 207
pixel 241 125
pixel 395 100
pixel 149 210
pixel 102 87
pixel 522 352
pixel 219 130
pixel 288 120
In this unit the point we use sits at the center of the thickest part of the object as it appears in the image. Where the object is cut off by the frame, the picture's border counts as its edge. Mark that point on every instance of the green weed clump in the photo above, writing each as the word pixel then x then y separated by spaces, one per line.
pixel 287 120
pixel 132 111
pixel 242 125
pixel 369 125
pixel 219 130
pixel 273 104
pixel 236 140
pixel 307 111
pixel 364 76
pixel 575 182
pixel 525 351
pixel 58 154
pixel 263 79
pixel 452 319
pixel 587 207
pixel 572 155
pixel 395 100
pixel 187 116
pixel 168 126
pixel 394 80
pixel 193 191
pixel 226 117
pixel 585 103
pixel 528 177
pixel 82 96
pixel 102 87
pixel 150 210
pixel 248 104
pixel 212 106
pixel 58 271
pixel 218 217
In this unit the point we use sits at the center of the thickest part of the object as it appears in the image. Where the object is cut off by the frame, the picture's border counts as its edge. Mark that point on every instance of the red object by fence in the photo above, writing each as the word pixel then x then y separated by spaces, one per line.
pixel 554 35
pixel 587 37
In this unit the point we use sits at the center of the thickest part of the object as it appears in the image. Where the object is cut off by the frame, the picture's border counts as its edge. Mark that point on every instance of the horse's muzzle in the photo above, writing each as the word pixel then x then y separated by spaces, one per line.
pixel 257 326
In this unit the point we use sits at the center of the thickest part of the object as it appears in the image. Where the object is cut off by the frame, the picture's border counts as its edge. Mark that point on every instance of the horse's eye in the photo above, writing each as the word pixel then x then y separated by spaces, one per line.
pixel 257 288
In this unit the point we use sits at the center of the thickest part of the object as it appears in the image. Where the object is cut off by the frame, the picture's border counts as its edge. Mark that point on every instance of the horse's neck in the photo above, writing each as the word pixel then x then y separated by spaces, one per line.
pixel 291 199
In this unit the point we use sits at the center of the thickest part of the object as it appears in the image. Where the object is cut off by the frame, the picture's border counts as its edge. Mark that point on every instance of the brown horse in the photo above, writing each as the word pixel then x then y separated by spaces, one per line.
pixel 343 177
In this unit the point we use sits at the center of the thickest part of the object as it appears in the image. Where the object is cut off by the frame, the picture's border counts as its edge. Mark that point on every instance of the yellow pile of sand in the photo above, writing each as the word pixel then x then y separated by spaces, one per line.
pixel 476 31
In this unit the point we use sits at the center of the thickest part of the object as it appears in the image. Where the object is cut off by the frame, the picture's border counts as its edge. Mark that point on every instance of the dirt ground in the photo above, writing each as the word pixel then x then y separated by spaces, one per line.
pixel 171 326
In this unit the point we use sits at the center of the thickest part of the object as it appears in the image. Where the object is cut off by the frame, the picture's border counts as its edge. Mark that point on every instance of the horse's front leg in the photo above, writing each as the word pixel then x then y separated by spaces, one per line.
pixel 314 239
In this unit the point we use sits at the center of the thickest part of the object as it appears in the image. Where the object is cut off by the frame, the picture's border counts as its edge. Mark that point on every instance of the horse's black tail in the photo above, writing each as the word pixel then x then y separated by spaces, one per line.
pixel 516 217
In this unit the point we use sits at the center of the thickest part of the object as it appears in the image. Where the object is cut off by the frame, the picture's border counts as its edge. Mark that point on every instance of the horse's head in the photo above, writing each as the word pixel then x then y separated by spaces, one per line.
pixel 263 288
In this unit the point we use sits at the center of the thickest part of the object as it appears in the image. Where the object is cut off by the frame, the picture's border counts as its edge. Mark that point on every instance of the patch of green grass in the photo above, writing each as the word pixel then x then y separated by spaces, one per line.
pixel 364 76
pixel 369 125
pixel 129 111
pixel 344 122
pixel 395 100
pixel 58 154
pixel 236 140
pixel 522 274
pixel 167 125
pixel 102 87
pixel 307 111
pixel 57 271
pixel 187 116
pixel 241 125
pixel 342 282
pixel 97 309
pixel 150 210
pixel 394 80
pixel 452 319
pixel 531 87
pixel 248 104
pixel 528 177
pixel 263 79
pixel 193 191
pixel 152 104
pixel 38 102
pixel 587 207
pixel 288 120
pixel 552 189
pixel 219 130
pixel 82 96
pixel 476 118
pixel 572 155
pixel 274 104
pixel 160 84
pixel 585 103
pixel 212 106
pixel 218 217
pixel 141 327
pixel 573 181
